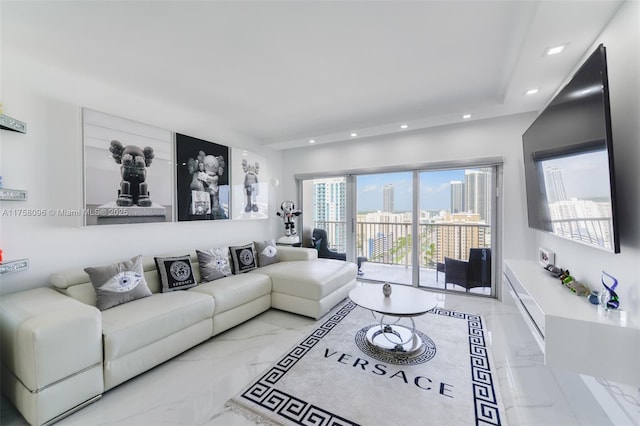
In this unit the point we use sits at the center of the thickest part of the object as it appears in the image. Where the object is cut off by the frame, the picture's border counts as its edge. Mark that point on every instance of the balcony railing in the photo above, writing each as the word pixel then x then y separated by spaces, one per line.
pixel 391 243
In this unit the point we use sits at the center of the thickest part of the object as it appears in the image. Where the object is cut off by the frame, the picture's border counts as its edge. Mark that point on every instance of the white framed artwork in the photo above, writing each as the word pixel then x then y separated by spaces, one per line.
pixel 250 189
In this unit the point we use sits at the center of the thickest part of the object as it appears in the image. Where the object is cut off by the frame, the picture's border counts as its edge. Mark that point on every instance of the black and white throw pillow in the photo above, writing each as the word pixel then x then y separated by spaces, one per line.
pixel 267 252
pixel 118 283
pixel 243 258
pixel 176 273
pixel 214 263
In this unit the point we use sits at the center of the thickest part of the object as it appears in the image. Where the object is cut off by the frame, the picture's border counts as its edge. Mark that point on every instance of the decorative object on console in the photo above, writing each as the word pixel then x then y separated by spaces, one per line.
pixel 267 252
pixel 594 297
pixel 176 273
pixel 243 258
pixel 119 192
pixel 214 263
pixel 386 289
pixel 202 179
pixel 250 190
pixel 546 257
pixel 118 283
pixel 608 297
pixel 554 270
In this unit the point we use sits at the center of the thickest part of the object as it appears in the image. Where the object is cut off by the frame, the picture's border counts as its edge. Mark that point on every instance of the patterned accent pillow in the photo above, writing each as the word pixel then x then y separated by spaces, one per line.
pixel 267 252
pixel 118 283
pixel 214 263
pixel 176 273
pixel 243 258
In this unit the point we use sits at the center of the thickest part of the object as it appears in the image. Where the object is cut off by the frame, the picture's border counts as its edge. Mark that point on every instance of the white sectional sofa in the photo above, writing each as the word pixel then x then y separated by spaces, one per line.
pixel 59 352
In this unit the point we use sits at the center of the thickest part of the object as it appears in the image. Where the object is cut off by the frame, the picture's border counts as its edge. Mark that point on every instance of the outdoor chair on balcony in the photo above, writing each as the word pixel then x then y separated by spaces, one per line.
pixel 476 272
pixel 321 243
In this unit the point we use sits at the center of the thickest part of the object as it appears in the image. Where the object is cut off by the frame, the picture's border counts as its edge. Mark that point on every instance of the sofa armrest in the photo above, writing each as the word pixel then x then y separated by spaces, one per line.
pixel 46 336
pixel 286 253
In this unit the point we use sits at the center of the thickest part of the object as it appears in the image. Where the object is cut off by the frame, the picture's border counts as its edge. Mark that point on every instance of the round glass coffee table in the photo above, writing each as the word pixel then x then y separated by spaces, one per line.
pixel 404 302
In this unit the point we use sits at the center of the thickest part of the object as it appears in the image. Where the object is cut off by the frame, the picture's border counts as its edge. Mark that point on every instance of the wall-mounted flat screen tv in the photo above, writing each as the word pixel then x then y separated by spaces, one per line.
pixel 568 160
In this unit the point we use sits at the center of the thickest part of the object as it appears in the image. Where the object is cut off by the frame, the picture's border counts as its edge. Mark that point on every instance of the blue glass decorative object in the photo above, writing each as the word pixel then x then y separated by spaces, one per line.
pixel 608 297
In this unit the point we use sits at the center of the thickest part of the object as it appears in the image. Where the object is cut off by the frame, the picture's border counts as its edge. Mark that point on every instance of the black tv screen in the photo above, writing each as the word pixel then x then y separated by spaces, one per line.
pixel 568 161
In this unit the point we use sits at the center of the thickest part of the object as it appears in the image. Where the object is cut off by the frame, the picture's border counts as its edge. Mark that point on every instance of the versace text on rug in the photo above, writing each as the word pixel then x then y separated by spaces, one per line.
pixel 332 377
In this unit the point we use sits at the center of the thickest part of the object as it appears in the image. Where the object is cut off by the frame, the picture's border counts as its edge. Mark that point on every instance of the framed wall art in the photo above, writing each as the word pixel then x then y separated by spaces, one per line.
pixel 202 179
pixel 250 190
pixel 128 170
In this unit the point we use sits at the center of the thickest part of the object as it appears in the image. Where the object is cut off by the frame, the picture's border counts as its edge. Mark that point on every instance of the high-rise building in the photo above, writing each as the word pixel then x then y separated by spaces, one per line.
pixel 387 198
pixel 554 185
pixel 477 193
pixel 329 209
pixel 457 196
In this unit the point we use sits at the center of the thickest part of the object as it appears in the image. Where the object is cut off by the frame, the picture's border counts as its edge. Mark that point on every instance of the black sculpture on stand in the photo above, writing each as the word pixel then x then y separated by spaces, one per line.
pixel 134 162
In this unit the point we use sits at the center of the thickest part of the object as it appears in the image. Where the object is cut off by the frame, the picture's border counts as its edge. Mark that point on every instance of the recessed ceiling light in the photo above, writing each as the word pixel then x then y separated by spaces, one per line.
pixel 554 50
pixel 312 141
pixel 531 92
pixel 404 126
pixel 354 134
pixel 466 116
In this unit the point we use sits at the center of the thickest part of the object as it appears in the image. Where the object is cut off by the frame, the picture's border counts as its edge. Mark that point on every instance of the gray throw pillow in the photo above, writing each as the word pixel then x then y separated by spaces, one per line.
pixel 176 273
pixel 267 252
pixel 214 263
pixel 118 283
pixel 243 258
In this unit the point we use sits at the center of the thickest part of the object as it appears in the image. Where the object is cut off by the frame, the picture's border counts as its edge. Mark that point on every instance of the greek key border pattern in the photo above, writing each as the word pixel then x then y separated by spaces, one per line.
pixel 484 395
pixel 294 409
pixel 263 393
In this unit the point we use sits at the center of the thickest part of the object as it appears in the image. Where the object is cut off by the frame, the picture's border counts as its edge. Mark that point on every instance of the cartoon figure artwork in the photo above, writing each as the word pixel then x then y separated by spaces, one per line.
pixel 288 214
pixel 251 188
pixel 133 170
pixel 205 171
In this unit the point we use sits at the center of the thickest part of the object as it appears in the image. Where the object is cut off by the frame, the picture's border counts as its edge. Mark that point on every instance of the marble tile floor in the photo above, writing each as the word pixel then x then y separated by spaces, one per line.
pixel 192 388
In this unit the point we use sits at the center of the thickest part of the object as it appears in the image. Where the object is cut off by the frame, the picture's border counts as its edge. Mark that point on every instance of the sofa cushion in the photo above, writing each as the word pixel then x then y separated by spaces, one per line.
pixel 236 290
pixel 118 283
pixel 243 258
pixel 214 263
pixel 267 252
pixel 131 326
pixel 176 273
pixel 313 279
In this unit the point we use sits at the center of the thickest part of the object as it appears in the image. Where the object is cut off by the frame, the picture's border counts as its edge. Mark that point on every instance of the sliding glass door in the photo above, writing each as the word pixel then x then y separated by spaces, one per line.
pixel 430 228
pixel 384 224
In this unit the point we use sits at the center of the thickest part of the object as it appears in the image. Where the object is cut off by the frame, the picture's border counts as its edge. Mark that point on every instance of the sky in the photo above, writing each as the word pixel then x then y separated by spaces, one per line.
pixel 585 176
pixel 435 191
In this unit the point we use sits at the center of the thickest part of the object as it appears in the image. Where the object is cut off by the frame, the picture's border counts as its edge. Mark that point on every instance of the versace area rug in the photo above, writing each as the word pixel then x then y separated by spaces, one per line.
pixel 335 377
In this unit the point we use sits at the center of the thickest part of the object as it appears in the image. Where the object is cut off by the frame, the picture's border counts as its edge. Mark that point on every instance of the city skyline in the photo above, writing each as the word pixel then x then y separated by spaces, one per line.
pixel 435 193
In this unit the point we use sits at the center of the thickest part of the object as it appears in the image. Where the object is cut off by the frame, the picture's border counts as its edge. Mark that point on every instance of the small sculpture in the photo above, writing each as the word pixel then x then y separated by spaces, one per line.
pixel 251 185
pixel 288 213
pixel 135 161
pixel 608 297
pixel 386 289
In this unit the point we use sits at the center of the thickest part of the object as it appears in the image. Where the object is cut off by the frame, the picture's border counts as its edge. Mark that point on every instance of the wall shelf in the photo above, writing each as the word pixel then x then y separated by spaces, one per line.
pixel 573 333
pixel 12 266
pixel 13 194
pixel 8 123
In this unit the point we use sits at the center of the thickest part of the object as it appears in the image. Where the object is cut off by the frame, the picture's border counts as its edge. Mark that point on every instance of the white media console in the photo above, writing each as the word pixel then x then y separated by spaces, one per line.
pixel 572 333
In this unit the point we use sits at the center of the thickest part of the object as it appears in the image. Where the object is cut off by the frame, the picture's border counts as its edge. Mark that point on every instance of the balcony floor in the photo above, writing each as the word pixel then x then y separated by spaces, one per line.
pixel 400 274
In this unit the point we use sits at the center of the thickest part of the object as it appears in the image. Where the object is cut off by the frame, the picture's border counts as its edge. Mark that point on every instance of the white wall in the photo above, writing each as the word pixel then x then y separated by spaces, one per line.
pixel 501 137
pixel 47 161
pixel 622 41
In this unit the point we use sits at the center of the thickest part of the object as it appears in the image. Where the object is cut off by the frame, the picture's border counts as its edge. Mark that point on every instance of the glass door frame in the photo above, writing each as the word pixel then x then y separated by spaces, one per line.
pixel 496 163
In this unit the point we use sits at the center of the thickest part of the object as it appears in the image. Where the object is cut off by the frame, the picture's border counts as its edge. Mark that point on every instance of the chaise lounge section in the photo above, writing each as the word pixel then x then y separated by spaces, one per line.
pixel 60 352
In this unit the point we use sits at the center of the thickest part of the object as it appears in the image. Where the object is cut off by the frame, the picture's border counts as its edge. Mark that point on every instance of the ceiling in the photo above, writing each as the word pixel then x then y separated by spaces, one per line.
pixel 285 72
